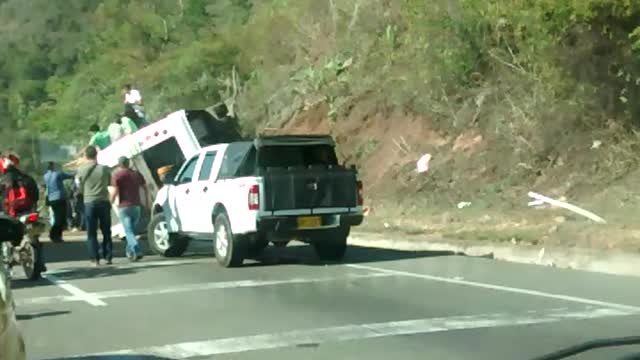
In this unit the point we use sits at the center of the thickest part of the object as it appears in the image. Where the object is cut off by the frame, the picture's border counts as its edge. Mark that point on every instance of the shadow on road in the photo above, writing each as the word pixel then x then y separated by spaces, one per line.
pixel 86 272
pixel 290 255
pixel 22 317
pixel 24 283
pixel 114 357
pixel 74 251
pixel 305 255
pixel 77 250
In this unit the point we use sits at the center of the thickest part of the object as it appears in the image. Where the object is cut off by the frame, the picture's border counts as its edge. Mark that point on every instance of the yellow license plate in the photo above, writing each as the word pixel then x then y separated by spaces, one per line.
pixel 309 222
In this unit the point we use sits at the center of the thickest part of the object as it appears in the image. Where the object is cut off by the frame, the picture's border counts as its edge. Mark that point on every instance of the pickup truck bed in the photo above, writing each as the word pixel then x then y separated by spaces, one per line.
pixel 309 188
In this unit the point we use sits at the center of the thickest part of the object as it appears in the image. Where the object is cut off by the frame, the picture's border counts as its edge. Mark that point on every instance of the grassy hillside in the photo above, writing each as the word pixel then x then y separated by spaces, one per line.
pixel 507 95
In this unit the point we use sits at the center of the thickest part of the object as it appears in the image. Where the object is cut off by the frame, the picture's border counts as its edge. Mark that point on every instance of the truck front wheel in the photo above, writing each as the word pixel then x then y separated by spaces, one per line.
pixel 331 245
pixel 230 250
pixel 162 242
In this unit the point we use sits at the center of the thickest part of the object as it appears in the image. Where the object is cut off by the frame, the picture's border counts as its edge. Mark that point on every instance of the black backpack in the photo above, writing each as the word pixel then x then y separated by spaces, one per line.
pixel 30 185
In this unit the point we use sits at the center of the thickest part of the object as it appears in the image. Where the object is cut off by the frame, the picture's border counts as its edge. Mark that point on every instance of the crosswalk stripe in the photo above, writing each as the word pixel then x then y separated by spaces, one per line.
pixel 204 348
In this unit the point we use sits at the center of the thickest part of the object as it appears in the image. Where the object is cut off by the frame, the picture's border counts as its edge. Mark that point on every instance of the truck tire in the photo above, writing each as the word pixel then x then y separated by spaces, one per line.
pixel 230 250
pixel 161 241
pixel 257 245
pixel 331 245
pixel 31 259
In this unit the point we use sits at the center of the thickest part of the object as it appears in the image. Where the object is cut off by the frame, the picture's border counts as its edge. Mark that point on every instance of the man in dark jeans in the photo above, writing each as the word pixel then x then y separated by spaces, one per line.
pixel 57 199
pixel 79 218
pixel 94 185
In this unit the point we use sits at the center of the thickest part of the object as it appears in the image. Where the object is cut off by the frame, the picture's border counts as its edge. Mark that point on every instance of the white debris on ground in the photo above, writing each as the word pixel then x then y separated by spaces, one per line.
pixel 596 144
pixel 422 166
pixel 567 206
pixel 463 204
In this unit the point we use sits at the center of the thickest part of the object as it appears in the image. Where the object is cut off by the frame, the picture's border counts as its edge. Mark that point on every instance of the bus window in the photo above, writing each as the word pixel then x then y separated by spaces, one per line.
pixel 166 153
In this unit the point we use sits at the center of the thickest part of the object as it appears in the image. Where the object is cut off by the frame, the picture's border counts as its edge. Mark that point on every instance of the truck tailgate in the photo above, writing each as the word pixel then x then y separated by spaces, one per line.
pixel 309 188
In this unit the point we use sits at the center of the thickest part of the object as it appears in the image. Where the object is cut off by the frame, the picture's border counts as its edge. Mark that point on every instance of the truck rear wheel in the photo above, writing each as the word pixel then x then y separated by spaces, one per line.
pixel 331 245
pixel 230 250
pixel 161 241
pixel 257 244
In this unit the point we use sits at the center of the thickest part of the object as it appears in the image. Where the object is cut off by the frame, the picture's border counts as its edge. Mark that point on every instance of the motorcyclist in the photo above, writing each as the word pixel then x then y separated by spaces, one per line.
pixel 20 198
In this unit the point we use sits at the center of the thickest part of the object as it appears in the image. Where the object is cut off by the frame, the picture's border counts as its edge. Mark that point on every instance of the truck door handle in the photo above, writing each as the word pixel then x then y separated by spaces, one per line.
pixel 205 189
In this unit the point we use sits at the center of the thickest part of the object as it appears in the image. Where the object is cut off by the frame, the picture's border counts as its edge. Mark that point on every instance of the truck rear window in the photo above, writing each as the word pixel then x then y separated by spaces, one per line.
pixel 296 156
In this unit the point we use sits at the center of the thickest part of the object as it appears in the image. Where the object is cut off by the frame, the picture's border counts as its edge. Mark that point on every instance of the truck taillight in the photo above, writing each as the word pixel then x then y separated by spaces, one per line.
pixel 254 197
pixel 360 195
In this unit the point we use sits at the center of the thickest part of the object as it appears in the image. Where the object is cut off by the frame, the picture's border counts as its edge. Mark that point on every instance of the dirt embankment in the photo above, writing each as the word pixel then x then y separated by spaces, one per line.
pixel 474 167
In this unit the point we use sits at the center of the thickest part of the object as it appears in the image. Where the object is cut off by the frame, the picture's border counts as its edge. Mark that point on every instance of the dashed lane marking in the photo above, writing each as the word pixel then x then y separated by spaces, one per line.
pixel 515 290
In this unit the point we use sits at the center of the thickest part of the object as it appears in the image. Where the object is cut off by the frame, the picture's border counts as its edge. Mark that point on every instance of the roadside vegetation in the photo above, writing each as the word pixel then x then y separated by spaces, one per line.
pixel 506 95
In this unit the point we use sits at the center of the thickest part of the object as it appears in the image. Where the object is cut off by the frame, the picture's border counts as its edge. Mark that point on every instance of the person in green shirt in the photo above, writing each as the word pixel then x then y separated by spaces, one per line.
pixel 99 139
pixel 127 124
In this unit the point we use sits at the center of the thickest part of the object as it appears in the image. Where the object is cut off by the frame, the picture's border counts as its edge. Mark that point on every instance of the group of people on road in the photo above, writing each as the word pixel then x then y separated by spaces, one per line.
pixel 93 181
pixel 128 184
pixel 89 191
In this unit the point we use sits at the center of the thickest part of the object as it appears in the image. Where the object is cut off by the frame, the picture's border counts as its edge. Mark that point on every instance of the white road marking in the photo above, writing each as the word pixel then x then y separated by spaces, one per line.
pixel 188 288
pixel 363 331
pixel 76 292
pixel 500 288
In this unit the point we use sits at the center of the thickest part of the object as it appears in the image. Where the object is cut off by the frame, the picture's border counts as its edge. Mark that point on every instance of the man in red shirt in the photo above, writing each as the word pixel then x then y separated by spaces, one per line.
pixel 127 184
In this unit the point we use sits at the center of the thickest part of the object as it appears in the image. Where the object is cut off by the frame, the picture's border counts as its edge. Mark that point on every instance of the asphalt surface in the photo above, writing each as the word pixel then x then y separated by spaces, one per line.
pixel 377 304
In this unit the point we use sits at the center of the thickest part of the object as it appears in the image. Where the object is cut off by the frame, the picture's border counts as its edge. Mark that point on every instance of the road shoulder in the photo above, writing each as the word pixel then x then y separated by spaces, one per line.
pixel 610 262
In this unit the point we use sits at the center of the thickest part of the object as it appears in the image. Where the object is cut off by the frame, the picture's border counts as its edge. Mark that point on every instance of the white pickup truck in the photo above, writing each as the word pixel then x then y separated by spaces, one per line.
pixel 245 195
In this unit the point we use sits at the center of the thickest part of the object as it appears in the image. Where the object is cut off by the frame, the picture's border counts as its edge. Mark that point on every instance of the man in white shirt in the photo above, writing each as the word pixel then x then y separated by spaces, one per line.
pixel 131 95
pixel 133 105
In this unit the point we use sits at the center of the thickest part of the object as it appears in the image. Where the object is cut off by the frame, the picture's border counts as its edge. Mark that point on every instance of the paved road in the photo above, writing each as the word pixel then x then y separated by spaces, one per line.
pixel 379 304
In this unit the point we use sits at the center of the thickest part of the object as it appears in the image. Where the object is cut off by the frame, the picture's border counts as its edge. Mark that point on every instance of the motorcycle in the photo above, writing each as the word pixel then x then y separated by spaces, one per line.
pixel 24 249
pixel 12 345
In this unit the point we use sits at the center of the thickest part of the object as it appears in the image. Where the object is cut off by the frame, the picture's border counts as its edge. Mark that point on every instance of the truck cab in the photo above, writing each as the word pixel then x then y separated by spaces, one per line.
pixel 245 195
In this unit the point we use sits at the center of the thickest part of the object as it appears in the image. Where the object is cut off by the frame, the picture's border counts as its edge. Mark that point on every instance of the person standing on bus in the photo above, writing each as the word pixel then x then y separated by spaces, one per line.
pixel 128 183
pixel 131 95
pixel 99 139
pixel 133 105
pixel 115 131
pixel 128 126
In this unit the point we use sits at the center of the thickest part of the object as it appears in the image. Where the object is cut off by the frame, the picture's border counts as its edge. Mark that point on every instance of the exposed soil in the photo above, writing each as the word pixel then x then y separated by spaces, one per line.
pixel 473 167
